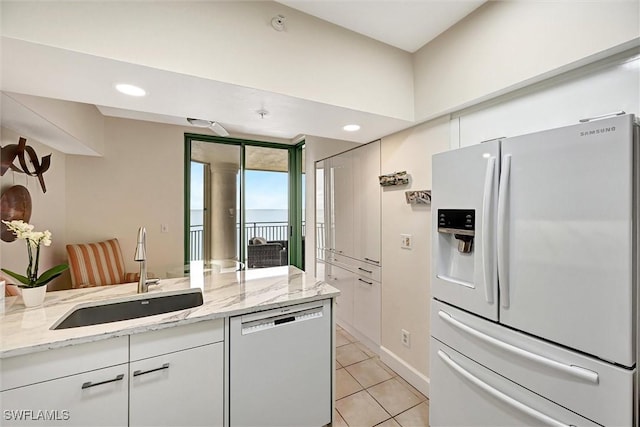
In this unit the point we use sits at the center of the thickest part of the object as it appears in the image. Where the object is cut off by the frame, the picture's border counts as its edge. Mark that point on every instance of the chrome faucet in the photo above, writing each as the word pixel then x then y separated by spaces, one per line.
pixel 141 257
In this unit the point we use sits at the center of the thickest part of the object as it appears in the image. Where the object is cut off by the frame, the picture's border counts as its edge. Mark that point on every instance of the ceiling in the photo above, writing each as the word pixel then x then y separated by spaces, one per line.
pixel 405 24
pixel 74 76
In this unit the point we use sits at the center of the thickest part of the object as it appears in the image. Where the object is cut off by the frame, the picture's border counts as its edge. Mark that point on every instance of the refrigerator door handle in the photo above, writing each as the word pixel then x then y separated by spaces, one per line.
pixel 574 371
pixel 487 253
pixel 516 404
pixel 503 272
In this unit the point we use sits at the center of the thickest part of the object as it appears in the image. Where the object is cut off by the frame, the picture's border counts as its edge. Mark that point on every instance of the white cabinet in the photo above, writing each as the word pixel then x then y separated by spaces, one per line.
pixel 139 380
pixel 81 385
pixel 96 398
pixel 178 367
pixel 366 308
pixel 348 203
pixel 366 203
pixel 348 210
pixel 358 307
pixel 191 380
pixel 341 200
pixel 343 280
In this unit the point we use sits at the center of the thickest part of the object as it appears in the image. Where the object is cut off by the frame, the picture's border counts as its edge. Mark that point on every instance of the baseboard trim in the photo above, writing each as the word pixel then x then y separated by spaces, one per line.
pixel 360 337
pixel 406 371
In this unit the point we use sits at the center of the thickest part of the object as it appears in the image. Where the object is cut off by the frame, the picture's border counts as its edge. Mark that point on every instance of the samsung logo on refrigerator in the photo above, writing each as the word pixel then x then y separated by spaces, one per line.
pixel 598 131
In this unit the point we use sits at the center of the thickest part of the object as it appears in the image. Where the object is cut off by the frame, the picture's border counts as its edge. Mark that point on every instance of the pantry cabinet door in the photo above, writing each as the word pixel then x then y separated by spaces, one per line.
pixel 342 217
pixel 366 203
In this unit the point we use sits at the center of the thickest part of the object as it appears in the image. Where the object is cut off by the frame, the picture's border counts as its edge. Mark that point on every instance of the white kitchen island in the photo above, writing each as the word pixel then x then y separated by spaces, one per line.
pixel 167 369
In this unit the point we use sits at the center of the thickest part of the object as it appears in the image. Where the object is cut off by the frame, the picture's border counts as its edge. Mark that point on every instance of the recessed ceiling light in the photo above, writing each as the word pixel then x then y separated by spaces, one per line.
pixel 131 90
pixel 351 128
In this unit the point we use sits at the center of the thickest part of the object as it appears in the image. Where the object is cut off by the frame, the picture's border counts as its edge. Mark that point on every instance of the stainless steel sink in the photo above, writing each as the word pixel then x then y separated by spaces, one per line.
pixel 132 308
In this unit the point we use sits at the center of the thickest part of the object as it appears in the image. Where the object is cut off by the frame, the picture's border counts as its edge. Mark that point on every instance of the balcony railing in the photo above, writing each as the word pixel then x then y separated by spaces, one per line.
pixel 271 231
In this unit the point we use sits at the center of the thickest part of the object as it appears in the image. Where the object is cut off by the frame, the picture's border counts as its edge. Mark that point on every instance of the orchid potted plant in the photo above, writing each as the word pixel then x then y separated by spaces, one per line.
pixel 34 240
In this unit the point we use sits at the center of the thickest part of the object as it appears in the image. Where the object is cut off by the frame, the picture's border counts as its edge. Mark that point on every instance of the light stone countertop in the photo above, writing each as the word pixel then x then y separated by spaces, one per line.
pixel 27 330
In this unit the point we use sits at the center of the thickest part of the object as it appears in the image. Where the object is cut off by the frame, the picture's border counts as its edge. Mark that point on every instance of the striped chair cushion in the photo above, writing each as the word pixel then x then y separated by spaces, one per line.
pixel 96 264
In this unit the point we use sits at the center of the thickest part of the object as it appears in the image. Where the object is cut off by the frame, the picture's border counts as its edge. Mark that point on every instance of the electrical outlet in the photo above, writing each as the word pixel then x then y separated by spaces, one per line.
pixel 405 241
pixel 405 337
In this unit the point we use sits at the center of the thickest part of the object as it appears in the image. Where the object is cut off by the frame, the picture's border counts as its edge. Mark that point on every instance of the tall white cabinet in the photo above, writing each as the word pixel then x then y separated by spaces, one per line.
pixel 366 202
pixel 348 240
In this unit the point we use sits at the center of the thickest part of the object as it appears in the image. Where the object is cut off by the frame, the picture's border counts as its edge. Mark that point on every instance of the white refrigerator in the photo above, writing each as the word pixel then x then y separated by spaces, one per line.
pixel 535 279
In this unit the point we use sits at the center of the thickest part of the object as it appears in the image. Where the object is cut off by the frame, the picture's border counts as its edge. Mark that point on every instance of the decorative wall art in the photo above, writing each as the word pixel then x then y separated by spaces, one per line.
pixel 396 178
pixel 420 197
pixel 11 152
pixel 15 204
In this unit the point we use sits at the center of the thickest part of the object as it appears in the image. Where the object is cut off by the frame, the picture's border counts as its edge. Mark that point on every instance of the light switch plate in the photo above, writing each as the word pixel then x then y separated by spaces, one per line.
pixel 164 228
pixel 405 241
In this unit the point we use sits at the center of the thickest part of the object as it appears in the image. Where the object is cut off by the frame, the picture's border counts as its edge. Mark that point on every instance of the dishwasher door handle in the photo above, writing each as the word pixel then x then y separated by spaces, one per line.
pixel 285 320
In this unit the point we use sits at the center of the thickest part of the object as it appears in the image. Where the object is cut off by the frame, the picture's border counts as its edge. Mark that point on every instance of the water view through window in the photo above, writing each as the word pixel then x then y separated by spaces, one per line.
pixel 217 189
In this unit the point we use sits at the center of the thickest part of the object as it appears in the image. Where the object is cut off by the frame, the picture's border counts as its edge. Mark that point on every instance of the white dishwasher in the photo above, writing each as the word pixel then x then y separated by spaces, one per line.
pixel 280 369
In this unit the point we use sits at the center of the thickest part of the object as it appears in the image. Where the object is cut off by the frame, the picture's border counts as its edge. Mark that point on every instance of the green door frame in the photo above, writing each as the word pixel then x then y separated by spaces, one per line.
pixel 295 205
pixel 295 191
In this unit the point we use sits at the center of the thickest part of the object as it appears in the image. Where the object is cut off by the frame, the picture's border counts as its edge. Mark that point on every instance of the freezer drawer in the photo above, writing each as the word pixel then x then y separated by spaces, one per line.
pixel 280 367
pixel 598 390
pixel 465 393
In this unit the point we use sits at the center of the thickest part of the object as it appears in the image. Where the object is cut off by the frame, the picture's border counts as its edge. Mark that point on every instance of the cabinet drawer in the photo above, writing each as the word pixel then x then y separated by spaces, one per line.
pixel 362 268
pixel 96 398
pixel 341 260
pixel 168 340
pixel 368 271
pixel 61 362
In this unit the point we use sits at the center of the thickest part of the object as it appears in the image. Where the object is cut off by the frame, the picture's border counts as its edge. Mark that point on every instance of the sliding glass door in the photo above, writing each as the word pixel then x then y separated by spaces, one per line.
pixel 213 201
pixel 243 200
pixel 266 206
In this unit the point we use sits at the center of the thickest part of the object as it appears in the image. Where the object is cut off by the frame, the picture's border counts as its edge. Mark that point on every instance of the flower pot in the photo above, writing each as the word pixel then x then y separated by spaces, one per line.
pixel 33 297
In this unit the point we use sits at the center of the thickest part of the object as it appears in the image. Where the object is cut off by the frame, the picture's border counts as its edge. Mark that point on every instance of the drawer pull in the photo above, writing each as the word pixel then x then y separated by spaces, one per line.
pixel 573 370
pixel 498 394
pixel 372 260
pixel 366 271
pixel 364 281
pixel 89 384
pixel 137 373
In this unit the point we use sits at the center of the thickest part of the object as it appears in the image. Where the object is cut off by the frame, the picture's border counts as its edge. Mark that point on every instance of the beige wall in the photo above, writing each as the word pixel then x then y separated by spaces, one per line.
pixel 138 182
pixel 406 273
pixel 508 44
pixel 48 211
pixel 228 41
pixel 316 148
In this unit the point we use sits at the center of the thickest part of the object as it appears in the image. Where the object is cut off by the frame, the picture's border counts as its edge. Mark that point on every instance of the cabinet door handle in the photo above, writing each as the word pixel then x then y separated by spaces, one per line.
pixel 138 372
pixel 367 271
pixel 364 281
pixel 89 384
pixel 372 260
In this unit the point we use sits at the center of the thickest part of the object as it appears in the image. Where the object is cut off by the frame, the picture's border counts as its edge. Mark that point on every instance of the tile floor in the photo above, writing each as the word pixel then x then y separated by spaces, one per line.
pixel 369 394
